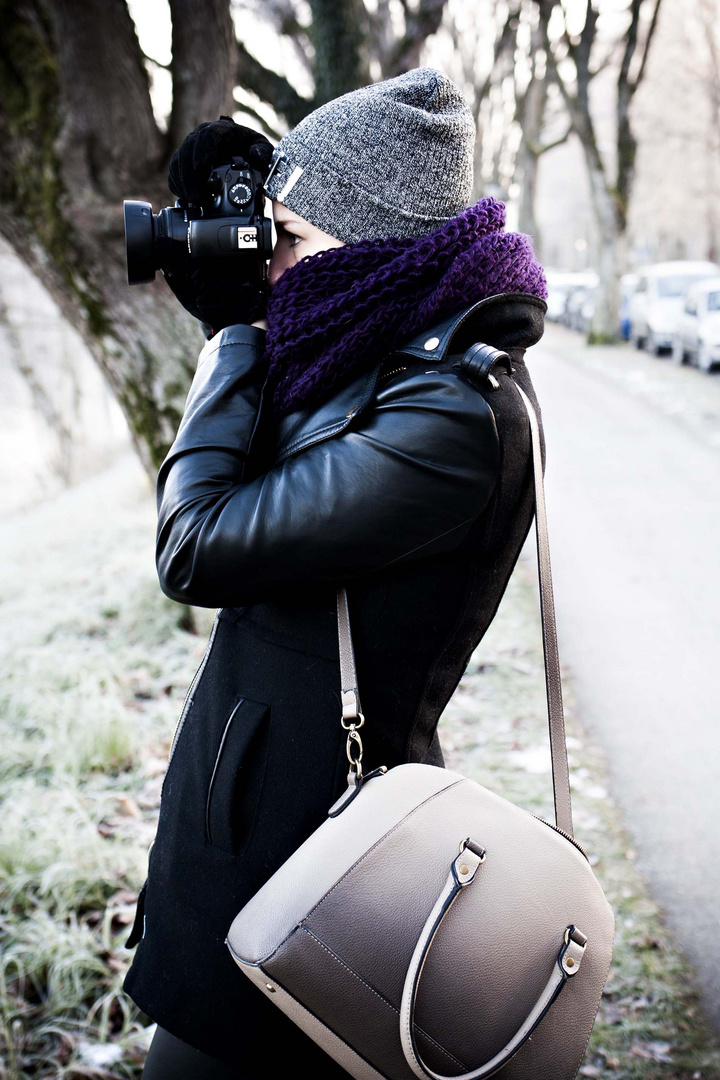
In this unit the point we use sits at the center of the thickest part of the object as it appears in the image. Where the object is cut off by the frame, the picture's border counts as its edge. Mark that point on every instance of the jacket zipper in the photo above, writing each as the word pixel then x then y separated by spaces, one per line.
pixel 567 836
pixel 389 374
pixel 191 687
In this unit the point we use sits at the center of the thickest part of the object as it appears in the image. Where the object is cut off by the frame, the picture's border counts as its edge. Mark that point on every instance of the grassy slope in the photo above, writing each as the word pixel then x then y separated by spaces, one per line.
pixel 94 670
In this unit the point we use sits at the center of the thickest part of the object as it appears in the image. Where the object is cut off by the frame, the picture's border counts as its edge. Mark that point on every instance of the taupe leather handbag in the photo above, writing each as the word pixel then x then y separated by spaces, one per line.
pixel 430 928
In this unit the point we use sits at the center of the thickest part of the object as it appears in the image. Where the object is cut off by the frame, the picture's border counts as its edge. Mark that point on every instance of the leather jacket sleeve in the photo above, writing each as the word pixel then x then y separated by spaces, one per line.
pixel 403 482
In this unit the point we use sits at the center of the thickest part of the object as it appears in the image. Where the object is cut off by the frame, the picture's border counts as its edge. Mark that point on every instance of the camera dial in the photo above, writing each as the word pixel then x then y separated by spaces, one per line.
pixel 241 193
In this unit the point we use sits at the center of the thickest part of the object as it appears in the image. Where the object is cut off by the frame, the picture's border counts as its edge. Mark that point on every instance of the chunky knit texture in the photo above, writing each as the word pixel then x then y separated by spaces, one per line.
pixel 339 311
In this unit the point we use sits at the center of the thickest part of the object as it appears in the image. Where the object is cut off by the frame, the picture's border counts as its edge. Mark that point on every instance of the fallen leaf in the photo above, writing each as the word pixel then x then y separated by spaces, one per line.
pixel 127 805
pixel 652 1051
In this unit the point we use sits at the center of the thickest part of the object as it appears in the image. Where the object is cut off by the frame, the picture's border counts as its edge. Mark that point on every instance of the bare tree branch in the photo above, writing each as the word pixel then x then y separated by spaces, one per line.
pixel 631 37
pixel 282 15
pixel 156 63
pixel 502 41
pixel 202 77
pixel 646 51
pixel 603 63
pixel 419 26
pixel 380 35
pixel 242 106
pixel 270 87
pixel 544 147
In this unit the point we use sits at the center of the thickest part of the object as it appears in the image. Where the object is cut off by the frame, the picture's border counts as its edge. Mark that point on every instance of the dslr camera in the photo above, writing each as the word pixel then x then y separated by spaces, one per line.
pixel 230 223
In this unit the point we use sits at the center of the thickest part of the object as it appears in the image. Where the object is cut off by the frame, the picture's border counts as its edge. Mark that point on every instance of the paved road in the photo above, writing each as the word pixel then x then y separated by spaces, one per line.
pixel 634 521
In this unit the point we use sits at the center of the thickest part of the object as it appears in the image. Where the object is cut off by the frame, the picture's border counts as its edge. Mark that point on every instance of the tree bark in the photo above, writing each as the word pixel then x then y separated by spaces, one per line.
pixel 201 90
pixel 337 35
pixel 73 143
pixel 78 135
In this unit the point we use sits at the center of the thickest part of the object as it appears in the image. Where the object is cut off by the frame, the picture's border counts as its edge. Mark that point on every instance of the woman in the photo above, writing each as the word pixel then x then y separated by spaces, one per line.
pixel 329 437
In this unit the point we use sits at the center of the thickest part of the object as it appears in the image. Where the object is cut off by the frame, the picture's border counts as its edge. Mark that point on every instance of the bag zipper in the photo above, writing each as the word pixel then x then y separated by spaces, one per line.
pixel 562 832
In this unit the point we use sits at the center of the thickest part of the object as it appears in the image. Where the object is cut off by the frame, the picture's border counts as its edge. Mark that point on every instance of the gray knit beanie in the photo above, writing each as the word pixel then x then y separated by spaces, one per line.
pixel 391 159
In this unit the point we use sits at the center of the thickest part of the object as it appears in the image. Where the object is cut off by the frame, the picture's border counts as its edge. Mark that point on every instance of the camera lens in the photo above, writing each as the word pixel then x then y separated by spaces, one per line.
pixel 139 242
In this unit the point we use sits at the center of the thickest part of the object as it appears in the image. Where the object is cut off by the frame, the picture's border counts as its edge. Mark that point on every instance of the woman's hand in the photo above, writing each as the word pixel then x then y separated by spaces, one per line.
pixel 213 143
pixel 219 292
pixel 215 291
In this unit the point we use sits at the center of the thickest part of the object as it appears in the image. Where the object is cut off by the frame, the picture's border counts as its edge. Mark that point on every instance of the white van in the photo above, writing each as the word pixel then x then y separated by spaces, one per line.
pixel 657 302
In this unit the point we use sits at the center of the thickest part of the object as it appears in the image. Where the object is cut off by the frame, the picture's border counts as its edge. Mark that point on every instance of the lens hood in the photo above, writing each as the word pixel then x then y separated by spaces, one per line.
pixel 139 236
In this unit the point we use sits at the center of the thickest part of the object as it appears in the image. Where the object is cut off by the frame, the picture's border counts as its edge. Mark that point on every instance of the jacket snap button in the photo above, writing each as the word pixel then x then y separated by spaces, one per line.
pixel 431 343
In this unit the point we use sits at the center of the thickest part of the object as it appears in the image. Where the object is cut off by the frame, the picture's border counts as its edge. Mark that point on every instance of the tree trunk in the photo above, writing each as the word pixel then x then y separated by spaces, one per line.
pixel 73 144
pixel 527 221
pixel 201 90
pixel 530 115
pixel 337 36
pixel 611 248
pixel 604 324
pixel 78 135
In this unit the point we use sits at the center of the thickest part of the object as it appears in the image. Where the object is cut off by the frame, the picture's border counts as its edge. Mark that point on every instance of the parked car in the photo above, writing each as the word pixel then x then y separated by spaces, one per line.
pixel 657 302
pixel 560 284
pixel 579 288
pixel 697 339
pixel 579 307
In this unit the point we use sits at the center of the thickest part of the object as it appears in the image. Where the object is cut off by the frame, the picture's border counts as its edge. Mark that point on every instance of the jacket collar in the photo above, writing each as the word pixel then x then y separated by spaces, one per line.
pixel 508 320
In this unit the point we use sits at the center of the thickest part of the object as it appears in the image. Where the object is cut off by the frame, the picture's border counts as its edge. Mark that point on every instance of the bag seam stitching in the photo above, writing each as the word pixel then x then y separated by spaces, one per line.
pixel 377 993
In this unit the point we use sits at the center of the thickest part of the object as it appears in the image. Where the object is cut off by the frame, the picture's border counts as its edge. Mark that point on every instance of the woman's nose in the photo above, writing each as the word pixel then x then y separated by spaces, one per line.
pixel 275 269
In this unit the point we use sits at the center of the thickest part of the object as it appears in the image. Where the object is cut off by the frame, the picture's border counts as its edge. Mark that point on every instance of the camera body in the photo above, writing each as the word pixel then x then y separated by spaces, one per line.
pixel 231 223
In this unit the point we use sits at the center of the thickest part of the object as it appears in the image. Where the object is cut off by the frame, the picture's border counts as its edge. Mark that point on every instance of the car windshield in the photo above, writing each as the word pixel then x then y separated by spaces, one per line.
pixel 676 284
pixel 713 303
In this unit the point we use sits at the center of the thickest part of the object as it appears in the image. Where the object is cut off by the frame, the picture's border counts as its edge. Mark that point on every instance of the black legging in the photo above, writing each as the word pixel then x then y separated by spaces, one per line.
pixel 169 1058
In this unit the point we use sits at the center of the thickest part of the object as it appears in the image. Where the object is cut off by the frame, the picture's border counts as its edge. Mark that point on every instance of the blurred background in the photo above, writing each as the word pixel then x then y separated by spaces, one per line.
pixel 598 124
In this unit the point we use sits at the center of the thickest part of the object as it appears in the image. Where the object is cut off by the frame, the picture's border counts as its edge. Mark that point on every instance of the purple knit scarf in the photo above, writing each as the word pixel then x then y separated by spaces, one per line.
pixel 339 311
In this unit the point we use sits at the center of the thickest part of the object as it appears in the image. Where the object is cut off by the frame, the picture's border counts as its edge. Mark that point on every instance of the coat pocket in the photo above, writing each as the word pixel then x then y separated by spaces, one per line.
pixel 236 781
pixel 138 927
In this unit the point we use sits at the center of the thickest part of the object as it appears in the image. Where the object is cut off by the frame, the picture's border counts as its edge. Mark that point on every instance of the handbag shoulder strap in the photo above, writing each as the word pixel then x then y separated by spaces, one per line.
pixel 553 682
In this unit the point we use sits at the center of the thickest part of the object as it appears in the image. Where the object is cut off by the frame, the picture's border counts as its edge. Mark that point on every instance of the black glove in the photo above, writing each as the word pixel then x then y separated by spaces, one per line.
pixel 219 292
pixel 215 291
pixel 212 143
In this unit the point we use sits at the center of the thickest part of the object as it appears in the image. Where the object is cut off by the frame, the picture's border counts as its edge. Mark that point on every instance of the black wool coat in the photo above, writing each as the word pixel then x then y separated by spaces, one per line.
pixel 412 485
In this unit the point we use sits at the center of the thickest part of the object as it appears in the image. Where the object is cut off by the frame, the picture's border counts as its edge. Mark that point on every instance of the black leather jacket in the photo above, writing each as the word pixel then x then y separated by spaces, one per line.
pixel 392 468
pixel 411 484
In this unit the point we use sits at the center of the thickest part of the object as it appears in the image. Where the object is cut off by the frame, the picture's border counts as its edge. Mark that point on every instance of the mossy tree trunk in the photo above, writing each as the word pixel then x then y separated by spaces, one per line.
pixel 78 135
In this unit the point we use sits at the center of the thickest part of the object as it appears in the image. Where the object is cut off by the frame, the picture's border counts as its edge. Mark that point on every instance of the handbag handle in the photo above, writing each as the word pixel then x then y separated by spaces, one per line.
pixel 553 682
pixel 566 964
